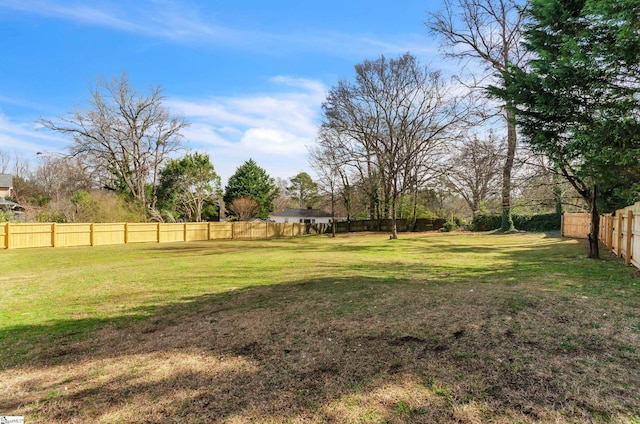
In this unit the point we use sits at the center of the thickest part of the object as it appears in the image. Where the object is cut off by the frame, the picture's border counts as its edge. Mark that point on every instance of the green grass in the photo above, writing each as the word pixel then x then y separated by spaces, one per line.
pixel 487 308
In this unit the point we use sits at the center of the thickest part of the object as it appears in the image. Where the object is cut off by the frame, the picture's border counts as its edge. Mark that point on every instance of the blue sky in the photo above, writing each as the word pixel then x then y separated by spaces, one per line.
pixel 250 76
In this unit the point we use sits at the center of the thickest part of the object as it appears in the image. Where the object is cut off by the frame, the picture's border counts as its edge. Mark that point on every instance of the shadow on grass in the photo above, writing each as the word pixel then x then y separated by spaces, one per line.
pixel 346 349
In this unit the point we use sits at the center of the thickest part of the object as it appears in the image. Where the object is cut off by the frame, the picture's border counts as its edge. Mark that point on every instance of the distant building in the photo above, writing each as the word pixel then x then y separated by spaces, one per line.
pixel 6 185
pixel 306 216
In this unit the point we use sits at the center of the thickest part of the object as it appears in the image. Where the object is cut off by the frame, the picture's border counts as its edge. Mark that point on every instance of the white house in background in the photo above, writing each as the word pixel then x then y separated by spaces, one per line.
pixel 306 216
pixel 6 185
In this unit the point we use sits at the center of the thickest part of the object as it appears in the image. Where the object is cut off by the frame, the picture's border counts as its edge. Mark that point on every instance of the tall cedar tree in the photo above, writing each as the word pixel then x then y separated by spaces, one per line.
pixel 578 102
pixel 252 181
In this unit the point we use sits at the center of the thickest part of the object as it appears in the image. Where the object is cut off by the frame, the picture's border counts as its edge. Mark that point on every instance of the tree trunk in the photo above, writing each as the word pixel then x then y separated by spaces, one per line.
pixel 415 207
pixel 394 218
pixel 333 213
pixel 373 206
pixel 507 222
pixel 594 249
pixel 557 192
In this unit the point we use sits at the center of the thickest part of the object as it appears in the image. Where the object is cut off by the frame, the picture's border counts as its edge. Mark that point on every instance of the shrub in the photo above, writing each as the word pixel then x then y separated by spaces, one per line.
pixel 537 223
pixel 448 226
pixel 485 222
pixel 533 223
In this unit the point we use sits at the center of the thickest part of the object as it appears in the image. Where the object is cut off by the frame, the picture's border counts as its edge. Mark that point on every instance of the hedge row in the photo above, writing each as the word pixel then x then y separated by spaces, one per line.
pixel 533 223
pixel 403 225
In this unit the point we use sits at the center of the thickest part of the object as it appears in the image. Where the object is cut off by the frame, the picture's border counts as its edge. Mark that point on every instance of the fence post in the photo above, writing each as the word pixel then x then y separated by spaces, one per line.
pixel 158 232
pixel 7 235
pixel 53 234
pixel 91 237
pixel 562 225
pixel 126 232
pixel 209 230
pixel 184 235
pixel 619 235
pixel 629 236
pixel 610 234
pixel 601 228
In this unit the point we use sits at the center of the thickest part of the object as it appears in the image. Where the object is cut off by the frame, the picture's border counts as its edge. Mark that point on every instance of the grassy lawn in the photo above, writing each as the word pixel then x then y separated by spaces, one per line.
pixel 433 327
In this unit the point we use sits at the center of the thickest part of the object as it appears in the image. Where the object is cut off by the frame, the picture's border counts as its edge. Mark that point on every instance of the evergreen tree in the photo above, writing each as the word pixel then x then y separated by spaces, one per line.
pixel 188 186
pixel 252 181
pixel 578 102
pixel 303 190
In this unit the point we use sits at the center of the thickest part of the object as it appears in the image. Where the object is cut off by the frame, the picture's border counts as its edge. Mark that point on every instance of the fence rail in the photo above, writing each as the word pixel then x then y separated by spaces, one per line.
pixel 619 232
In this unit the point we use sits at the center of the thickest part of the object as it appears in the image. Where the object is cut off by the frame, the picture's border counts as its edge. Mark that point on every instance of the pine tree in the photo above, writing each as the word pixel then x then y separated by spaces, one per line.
pixel 252 181
pixel 578 101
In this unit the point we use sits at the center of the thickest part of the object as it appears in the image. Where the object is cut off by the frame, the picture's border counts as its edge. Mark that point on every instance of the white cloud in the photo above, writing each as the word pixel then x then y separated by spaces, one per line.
pixel 24 137
pixel 274 128
pixel 274 142
pixel 164 20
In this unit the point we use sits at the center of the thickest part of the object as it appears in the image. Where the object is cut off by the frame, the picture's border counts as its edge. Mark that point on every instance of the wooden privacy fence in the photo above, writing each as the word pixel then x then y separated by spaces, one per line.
pixel 620 232
pixel 576 225
pixel 14 236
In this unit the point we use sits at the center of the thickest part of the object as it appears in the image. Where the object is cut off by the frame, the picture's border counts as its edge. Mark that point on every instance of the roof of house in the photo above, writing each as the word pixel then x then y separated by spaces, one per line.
pixel 8 204
pixel 302 213
pixel 6 180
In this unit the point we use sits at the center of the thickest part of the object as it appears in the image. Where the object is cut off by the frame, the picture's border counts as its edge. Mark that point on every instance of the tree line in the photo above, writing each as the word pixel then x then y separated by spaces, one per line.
pixel 561 75
pixel 60 189
pixel 399 140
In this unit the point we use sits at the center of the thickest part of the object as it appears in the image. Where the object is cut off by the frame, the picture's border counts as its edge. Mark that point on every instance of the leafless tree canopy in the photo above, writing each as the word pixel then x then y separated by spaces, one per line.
pixel 488 32
pixel 60 177
pixel 123 133
pixel 474 170
pixel 244 208
pixel 485 30
pixel 391 124
pixel 5 161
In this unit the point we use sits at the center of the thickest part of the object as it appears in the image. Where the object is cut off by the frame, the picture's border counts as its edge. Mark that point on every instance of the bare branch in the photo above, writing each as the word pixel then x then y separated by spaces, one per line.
pixel 124 134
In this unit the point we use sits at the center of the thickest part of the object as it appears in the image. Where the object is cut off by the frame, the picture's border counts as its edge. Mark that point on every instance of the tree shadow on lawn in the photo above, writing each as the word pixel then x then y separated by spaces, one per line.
pixel 337 350
pixel 351 349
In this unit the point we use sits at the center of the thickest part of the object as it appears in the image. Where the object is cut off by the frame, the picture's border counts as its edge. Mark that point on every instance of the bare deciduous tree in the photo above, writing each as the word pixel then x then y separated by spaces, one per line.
pixel 59 177
pixel 283 200
pixel 5 161
pixel 331 172
pixel 475 169
pixel 124 133
pixel 333 168
pixel 244 208
pixel 396 118
pixel 488 31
